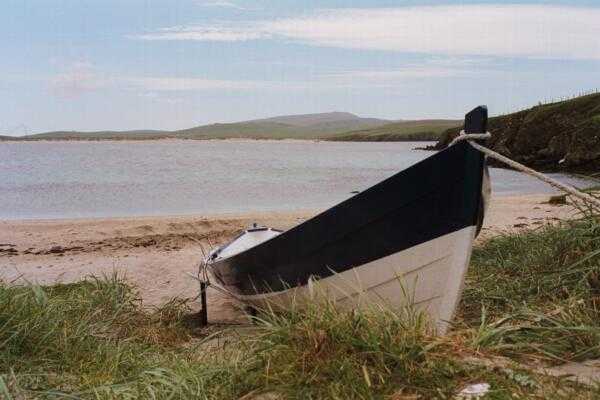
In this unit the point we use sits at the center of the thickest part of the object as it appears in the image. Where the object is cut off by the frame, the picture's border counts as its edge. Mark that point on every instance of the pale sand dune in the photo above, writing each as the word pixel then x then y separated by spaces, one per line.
pixel 157 254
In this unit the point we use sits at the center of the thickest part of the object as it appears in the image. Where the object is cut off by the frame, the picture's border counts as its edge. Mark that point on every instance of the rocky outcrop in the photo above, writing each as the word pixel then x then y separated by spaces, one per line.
pixel 563 136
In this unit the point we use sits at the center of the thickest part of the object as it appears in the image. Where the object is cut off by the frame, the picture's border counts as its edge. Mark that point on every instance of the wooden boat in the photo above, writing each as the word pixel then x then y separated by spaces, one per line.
pixel 407 239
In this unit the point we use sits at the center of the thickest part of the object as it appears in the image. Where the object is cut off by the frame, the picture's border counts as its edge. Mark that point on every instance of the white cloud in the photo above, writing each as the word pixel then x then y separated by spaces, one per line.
pixel 205 33
pixel 174 84
pixel 512 30
pixel 77 79
pixel 221 3
pixel 188 84
pixel 160 98
pixel 82 77
pixel 410 72
pixel 432 68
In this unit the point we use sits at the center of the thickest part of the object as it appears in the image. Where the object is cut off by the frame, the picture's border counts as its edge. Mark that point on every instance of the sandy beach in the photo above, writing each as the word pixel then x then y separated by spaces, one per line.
pixel 158 254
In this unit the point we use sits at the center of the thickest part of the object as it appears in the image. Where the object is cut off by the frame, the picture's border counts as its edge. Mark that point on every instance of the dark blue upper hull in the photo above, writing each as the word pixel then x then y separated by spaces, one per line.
pixel 434 197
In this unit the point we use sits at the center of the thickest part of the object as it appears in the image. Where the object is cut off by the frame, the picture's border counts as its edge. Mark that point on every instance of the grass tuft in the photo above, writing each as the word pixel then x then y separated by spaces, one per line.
pixel 537 293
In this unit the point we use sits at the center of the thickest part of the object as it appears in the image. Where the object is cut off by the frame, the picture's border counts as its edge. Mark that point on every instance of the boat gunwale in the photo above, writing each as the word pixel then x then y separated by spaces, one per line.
pixel 365 192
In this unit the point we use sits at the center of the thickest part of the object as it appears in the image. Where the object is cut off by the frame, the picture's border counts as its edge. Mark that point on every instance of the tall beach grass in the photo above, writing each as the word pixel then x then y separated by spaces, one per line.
pixel 94 340
pixel 532 296
pixel 537 293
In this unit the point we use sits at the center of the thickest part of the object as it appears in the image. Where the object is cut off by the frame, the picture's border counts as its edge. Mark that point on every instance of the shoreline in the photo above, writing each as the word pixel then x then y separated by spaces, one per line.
pixel 162 140
pixel 158 254
pixel 215 215
pixel 230 139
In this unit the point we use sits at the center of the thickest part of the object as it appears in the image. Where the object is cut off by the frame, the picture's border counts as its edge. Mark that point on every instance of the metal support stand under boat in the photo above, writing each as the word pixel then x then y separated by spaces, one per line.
pixel 204 311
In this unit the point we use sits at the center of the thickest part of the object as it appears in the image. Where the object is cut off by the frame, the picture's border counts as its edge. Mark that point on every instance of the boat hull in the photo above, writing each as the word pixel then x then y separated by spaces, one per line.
pixel 428 277
pixel 413 230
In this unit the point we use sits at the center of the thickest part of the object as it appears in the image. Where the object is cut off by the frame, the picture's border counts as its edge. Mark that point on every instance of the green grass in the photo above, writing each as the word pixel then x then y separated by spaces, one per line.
pixel 80 335
pixel 536 294
pixel 422 130
pixel 94 340
pixel 530 296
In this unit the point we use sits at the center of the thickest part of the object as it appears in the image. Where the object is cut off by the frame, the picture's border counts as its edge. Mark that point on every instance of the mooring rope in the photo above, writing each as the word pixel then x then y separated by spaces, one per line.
pixel 522 168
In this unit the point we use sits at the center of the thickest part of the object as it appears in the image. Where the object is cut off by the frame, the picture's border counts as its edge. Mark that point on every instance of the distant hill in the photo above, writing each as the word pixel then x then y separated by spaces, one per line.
pixel 561 136
pixel 402 131
pixel 96 135
pixel 304 126
pixel 316 119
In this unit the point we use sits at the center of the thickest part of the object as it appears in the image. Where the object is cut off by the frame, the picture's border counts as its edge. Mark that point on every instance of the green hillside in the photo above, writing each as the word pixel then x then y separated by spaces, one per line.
pixel 339 126
pixel 269 129
pixel 561 136
pixel 420 130
pixel 304 126
pixel 97 135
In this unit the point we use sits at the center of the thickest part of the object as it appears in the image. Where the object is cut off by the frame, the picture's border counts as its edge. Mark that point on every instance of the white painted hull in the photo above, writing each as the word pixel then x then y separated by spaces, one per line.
pixel 428 276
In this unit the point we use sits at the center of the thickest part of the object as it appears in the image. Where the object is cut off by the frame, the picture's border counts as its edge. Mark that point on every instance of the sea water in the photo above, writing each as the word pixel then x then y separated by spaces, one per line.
pixel 71 179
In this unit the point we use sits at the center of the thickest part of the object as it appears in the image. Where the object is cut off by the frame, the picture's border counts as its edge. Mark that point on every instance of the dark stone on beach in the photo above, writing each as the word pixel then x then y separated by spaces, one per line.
pixel 56 250
pixel 558 200
pixel 9 252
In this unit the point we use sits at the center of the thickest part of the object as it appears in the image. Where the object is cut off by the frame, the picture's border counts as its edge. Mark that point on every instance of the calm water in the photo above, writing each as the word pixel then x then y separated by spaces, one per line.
pixel 93 179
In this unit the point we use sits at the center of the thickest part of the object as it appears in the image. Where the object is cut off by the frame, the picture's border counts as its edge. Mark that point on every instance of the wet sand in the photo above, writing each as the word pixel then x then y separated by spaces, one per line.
pixel 158 254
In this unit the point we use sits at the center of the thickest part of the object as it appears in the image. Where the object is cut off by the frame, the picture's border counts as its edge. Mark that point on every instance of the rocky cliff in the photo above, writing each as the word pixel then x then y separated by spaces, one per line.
pixel 563 136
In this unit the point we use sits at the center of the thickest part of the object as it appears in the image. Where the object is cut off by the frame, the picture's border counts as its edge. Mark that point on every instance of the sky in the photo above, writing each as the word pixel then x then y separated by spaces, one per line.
pixel 157 64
